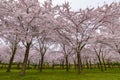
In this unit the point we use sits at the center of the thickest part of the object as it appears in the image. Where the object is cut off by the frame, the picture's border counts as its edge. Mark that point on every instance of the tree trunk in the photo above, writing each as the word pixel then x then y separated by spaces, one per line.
pixel 104 63
pixel 67 64
pixel 41 65
pixel 18 65
pixel 100 64
pixel 108 63
pixel 53 65
pixel 34 66
pixel 79 63
pixel 90 64
pixel 75 65
pixel 2 65
pixel 28 64
pixel 11 59
pixel 25 59
pixel 87 64
pixel 62 64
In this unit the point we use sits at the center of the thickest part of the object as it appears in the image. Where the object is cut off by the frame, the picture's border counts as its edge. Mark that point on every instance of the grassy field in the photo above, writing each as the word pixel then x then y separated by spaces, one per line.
pixel 61 75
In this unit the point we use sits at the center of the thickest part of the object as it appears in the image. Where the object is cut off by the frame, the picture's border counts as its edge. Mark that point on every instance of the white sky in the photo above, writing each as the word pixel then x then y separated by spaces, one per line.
pixel 77 4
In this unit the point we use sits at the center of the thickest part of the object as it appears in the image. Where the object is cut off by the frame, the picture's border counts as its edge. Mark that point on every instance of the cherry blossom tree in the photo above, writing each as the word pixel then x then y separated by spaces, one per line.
pixel 32 25
pixel 26 19
pixel 9 32
pixel 109 31
pixel 67 51
pixel 77 27
pixel 43 44
pixel 26 12
pixel 99 51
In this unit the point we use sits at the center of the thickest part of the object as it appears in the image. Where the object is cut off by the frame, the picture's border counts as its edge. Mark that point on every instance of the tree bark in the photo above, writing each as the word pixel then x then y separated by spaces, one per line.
pixel 104 63
pixel 90 64
pixel 79 63
pixel 41 65
pixel 67 64
pixel 100 63
pixel 75 65
pixel 28 64
pixel 87 64
pixel 11 59
pixel 53 65
pixel 18 65
pixel 23 71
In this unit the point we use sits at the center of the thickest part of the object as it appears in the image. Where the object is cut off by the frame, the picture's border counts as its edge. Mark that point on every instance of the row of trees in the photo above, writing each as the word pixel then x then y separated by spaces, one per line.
pixel 30 25
pixel 57 59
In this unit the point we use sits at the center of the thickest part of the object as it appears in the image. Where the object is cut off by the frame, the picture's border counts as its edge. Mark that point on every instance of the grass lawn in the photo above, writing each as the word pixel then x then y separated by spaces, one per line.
pixel 61 75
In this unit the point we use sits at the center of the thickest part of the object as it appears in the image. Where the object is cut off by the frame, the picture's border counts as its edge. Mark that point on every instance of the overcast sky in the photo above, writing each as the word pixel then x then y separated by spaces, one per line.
pixel 77 4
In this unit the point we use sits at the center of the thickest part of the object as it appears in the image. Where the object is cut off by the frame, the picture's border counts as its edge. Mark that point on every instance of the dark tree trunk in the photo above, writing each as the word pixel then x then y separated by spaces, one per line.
pixel 41 64
pixel 28 64
pixel 87 64
pixel 53 65
pixel 90 64
pixel 23 71
pixel 67 64
pixel 18 65
pixel 2 65
pixel 118 64
pixel 62 64
pixel 108 63
pixel 75 65
pixel 11 59
pixel 104 64
pixel 48 65
pixel 79 63
pixel 34 66
pixel 100 64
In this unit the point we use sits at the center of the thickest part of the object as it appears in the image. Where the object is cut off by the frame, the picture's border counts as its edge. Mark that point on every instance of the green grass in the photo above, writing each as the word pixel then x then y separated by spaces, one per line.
pixel 58 74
